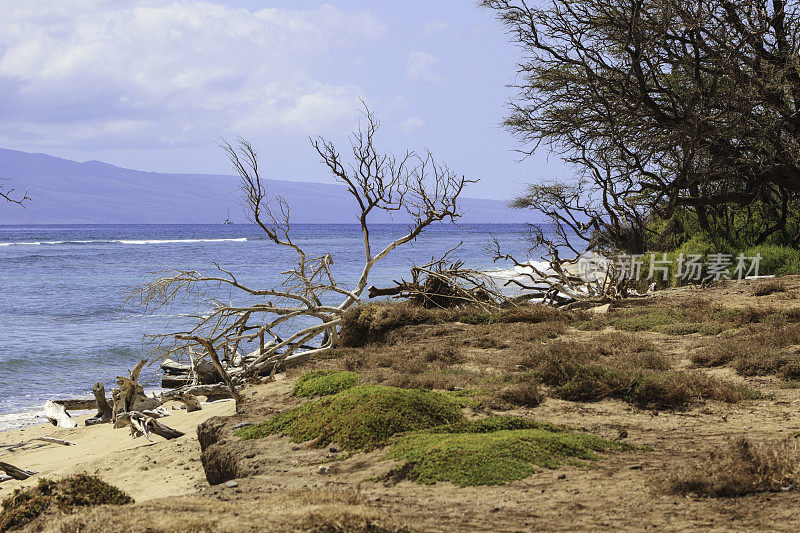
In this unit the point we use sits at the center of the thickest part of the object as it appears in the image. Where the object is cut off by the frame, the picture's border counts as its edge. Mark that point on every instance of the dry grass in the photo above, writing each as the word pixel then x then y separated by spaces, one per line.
pixel 627 368
pixel 328 511
pixel 758 350
pixel 766 288
pixel 437 365
pixel 738 468
pixel 526 393
pixel 371 324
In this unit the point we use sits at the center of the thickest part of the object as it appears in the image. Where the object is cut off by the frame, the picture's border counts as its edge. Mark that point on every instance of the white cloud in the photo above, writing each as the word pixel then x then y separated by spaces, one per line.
pixel 150 73
pixel 411 124
pixel 433 27
pixel 421 67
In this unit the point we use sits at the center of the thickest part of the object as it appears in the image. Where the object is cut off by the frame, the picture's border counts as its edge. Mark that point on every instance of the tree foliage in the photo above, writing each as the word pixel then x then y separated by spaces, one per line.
pixel 665 107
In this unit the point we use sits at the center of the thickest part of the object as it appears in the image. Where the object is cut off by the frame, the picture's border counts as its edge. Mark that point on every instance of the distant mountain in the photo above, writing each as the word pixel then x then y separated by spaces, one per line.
pixel 68 192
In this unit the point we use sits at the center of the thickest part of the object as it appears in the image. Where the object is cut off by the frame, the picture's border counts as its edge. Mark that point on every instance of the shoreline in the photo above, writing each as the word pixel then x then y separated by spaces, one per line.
pixel 33 415
pixel 145 470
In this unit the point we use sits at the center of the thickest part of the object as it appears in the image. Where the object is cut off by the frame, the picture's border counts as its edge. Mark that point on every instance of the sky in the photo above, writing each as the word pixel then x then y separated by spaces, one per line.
pixel 154 85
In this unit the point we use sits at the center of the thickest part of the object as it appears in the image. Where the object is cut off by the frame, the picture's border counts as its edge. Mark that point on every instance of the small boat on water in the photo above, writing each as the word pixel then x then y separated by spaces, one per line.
pixel 228 220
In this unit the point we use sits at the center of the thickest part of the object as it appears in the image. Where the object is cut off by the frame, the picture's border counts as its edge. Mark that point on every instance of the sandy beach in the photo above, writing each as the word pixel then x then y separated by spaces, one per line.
pixel 146 470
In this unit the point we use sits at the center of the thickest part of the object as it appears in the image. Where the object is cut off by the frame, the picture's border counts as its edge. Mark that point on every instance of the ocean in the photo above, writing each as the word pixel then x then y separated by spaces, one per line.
pixel 63 325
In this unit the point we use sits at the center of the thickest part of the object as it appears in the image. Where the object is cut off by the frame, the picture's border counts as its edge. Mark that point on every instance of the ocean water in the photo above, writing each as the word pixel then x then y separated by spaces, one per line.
pixel 63 325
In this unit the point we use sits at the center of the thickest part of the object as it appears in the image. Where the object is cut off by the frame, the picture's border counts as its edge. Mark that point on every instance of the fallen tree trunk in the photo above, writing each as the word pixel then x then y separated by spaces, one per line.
pixel 57 415
pixel 77 404
pixel 16 473
pixel 142 424
pixel 213 392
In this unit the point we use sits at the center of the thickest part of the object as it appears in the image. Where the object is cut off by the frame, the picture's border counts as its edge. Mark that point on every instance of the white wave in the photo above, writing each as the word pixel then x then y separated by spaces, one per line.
pixel 518 271
pixel 124 241
pixel 180 241
pixel 21 420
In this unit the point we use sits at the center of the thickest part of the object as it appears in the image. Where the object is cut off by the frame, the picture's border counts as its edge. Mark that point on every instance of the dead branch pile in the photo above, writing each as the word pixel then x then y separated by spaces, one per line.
pixel 446 283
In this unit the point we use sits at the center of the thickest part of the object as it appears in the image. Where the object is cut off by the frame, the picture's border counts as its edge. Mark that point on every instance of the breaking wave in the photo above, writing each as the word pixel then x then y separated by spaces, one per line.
pixel 122 241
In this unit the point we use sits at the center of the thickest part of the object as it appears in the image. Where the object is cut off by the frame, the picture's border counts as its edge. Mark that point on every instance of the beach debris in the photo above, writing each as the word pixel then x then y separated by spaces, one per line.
pixel 16 473
pixel 104 411
pixel 198 372
pixel 130 395
pixel 323 470
pixel 158 412
pixel 141 424
pixel 446 283
pixel 231 484
pixel 57 415
pixel 56 441
pixel 175 374
pixel 241 425
pixel 4 477
pixel 191 402
pixel 217 391
pixel 77 404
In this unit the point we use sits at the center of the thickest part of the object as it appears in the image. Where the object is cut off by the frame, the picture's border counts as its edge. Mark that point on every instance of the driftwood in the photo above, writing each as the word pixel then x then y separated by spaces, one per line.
pixel 175 374
pixel 57 415
pixel 158 412
pixel 217 391
pixel 191 402
pixel 104 411
pixel 131 397
pixel 446 283
pixel 141 424
pixel 16 473
pixel 56 441
pixel 77 404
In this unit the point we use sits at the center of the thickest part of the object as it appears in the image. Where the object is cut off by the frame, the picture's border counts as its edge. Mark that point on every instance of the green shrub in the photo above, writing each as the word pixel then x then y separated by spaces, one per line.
pixel 324 383
pixel 80 490
pixel 776 260
pixel 491 451
pixel 360 418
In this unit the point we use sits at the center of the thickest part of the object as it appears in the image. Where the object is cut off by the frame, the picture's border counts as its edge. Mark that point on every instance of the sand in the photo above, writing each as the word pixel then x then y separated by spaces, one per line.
pixel 145 470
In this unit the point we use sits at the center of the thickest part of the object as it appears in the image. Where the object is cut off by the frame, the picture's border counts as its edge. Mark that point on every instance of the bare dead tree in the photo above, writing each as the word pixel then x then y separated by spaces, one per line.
pixel 309 301
pixel 9 194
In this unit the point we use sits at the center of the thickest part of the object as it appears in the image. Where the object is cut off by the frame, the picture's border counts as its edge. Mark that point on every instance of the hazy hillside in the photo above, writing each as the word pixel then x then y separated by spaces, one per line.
pixel 64 191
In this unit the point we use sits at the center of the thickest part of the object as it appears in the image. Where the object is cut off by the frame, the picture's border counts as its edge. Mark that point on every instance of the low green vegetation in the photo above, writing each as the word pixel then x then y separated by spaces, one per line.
pixel 324 383
pixel 360 418
pixel 64 495
pixel 429 433
pixel 491 451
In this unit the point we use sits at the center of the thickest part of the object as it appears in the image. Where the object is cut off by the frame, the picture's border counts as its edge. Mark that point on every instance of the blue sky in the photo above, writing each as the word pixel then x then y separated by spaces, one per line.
pixel 152 85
